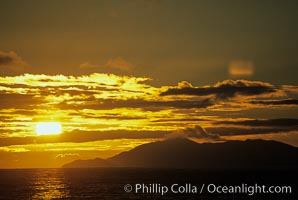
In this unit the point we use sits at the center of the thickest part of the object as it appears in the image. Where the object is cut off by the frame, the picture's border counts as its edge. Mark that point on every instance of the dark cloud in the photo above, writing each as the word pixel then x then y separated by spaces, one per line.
pixel 5 59
pixel 277 102
pixel 232 130
pixel 11 63
pixel 225 89
pixel 197 131
pixel 255 126
pixel 263 122
pixel 107 116
pixel 182 120
pixel 76 135
pixel 165 104
pixel 19 101
pixel 140 103
pixel 24 112
pixel 83 136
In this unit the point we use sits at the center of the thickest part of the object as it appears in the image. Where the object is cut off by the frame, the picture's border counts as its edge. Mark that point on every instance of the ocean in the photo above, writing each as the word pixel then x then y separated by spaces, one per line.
pixel 128 183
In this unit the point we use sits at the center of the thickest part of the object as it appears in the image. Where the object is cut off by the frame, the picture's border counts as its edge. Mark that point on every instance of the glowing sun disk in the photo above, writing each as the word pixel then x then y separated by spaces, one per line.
pixel 48 128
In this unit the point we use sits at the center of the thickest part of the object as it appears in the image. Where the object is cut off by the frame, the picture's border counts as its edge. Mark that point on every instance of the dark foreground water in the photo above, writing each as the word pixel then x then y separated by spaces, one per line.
pixel 110 184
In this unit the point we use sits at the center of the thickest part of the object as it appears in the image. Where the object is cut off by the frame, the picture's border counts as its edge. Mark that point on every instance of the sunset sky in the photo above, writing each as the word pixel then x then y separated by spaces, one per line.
pixel 117 74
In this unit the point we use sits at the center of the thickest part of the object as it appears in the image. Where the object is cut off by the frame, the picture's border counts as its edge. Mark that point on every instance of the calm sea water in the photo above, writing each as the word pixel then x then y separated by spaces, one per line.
pixel 108 183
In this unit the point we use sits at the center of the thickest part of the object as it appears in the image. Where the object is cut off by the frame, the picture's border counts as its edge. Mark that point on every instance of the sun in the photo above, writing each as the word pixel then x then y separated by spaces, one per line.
pixel 48 128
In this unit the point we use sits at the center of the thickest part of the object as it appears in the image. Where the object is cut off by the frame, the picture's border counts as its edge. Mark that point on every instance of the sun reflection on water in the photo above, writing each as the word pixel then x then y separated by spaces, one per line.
pixel 49 184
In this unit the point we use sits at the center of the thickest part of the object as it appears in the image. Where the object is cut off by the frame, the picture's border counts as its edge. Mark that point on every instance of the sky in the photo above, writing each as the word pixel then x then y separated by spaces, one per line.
pixel 118 74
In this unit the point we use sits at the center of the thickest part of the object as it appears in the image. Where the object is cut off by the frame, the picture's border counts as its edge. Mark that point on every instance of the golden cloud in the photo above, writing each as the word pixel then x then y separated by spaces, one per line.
pixel 119 63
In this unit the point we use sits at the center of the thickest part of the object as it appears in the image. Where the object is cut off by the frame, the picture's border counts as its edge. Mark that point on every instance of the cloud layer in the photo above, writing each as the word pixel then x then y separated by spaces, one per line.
pixel 102 106
pixel 224 90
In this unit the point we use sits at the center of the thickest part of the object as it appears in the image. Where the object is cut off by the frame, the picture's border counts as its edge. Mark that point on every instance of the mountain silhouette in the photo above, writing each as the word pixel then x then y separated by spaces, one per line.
pixel 187 154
